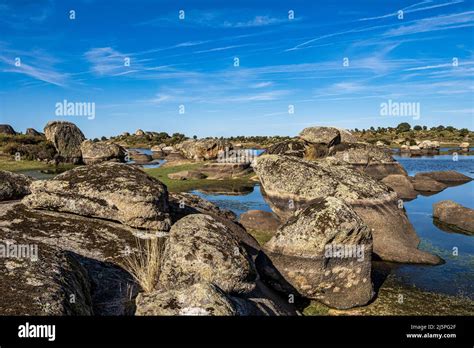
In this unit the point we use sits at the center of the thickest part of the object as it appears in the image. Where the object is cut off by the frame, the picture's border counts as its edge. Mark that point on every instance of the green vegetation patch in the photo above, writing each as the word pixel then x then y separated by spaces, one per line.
pixel 188 185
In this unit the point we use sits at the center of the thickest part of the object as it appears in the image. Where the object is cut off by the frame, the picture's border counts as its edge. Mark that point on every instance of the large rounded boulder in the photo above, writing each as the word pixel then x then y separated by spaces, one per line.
pixel 202 149
pixel 93 153
pixel 67 139
pixel 289 183
pixel 373 160
pixel 200 248
pixel 325 251
pixel 111 191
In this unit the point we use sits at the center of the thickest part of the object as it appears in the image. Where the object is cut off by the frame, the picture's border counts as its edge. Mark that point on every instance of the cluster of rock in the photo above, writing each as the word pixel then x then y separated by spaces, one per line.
pixel 422 148
pixel 84 221
pixel 316 143
pixel 8 130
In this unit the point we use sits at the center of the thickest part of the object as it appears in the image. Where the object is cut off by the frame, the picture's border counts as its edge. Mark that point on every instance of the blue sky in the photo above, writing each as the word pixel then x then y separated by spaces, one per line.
pixel 190 62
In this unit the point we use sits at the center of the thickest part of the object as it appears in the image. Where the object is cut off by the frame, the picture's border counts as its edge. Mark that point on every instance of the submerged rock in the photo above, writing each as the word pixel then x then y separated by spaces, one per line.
pixel 426 184
pixel 448 177
pixel 325 252
pixel 402 185
pixel 454 216
pixel 289 183
pixel 260 220
pixel 67 139
pixel 13 185
pixel 108 190
pixel 93 153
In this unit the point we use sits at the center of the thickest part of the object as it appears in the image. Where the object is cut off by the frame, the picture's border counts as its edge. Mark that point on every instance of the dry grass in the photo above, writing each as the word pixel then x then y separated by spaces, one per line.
pixel 144 263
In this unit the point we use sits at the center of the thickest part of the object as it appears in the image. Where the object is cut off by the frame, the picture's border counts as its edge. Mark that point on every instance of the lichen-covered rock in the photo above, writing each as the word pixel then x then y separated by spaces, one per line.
pixel 13 185
pixel 77 271
pixel 93 153
pixel 202 149
pixel 108 190
pixel 448 177
pixel 347 137
pixel 454 216
pixel 325 252
pixel 67 139
pixel 292 147
pixel 321 135
pixel 7 129
pixel 200 248
pixel 289 183
pixel 260 220
pixel 375 161
pixel 401 185
pixel 198 299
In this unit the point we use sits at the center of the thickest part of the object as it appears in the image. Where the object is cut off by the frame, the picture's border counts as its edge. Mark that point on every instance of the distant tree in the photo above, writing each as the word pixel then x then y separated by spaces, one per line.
pixel 372 129
pixel 356 130
pixel 103 138
pixel 440 128
pixel 425 128
pixel 195 137
pixel 450 129
pixel 403 127
pixel 95 140
pixel 463 132
pixel 417 128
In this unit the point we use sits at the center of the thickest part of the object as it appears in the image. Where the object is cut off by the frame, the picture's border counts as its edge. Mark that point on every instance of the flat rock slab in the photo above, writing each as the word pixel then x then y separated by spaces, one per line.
pixel 76 256
pixel 448 177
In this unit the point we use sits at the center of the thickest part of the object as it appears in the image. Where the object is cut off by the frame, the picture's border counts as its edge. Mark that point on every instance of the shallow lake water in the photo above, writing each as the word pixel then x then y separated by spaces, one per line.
pixel 456 276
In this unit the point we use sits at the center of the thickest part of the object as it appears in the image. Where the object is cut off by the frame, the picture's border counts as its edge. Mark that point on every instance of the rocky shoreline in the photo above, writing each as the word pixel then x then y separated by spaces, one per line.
pixel 337 208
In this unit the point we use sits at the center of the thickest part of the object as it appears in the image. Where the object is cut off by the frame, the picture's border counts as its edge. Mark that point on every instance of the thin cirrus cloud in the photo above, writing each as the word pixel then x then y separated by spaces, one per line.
pixel 437 23
pixel 35 63
pixel 216 19
pixel 414 8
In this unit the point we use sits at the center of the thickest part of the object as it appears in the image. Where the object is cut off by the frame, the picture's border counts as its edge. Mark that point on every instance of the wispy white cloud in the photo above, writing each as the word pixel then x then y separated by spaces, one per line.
pixel 443 22
pixel 36 64
pixel 413 8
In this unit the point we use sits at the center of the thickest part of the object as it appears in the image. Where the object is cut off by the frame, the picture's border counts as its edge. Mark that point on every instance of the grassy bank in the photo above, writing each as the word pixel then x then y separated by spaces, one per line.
pixel 231 185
